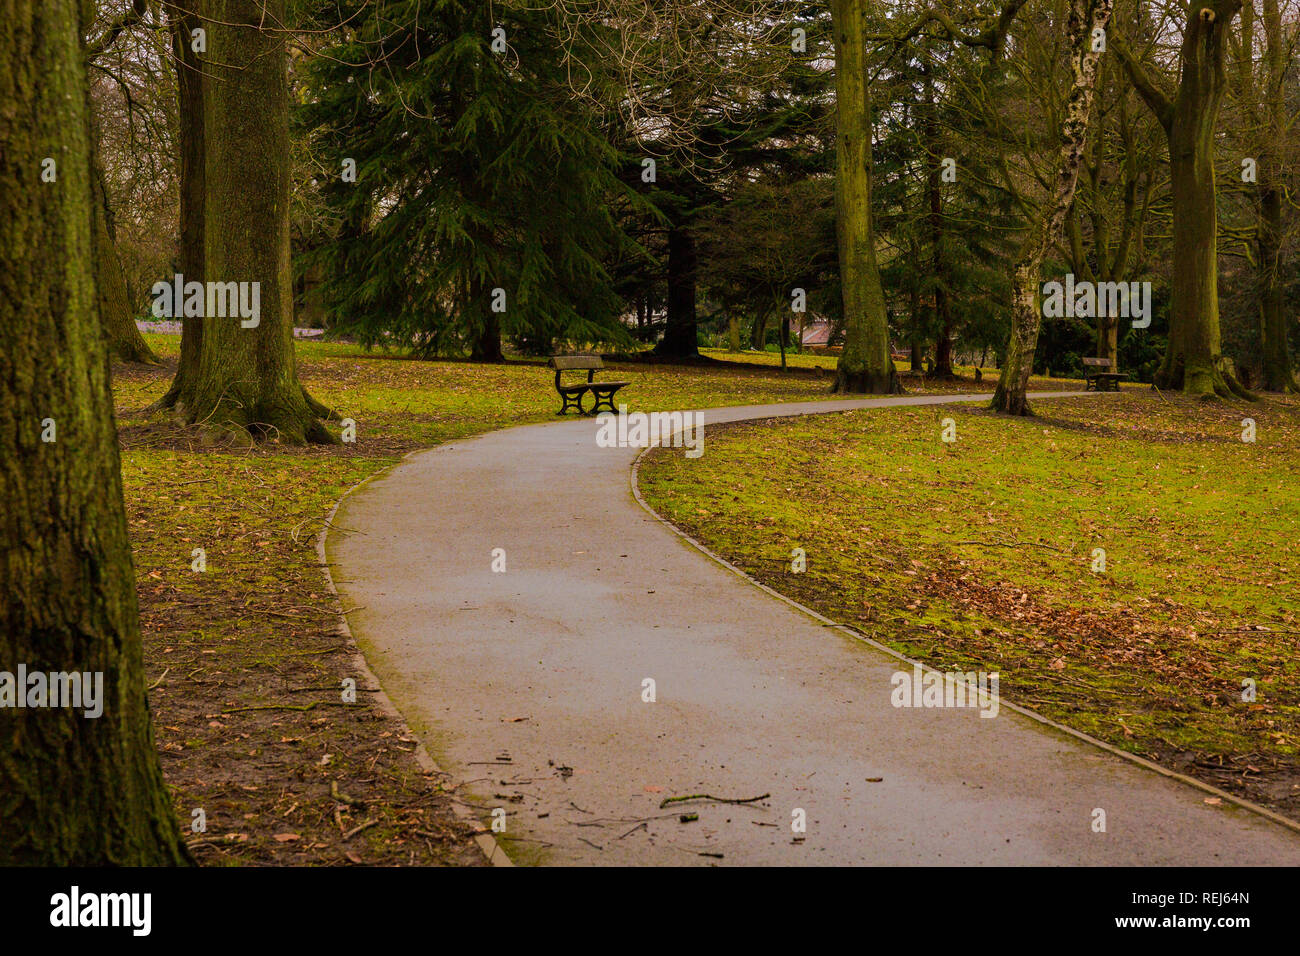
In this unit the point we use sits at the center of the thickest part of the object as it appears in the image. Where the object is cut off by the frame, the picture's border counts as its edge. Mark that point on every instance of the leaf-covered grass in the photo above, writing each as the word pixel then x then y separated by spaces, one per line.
pixel 246 656
pixel 979 554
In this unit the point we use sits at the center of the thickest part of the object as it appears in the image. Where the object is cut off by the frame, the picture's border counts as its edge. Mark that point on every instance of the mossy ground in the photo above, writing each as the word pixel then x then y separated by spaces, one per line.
pixel 246 660
pixel 979 554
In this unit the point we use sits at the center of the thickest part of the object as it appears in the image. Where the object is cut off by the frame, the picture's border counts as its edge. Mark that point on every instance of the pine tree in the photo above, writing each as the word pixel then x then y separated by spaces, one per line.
pixel 480 205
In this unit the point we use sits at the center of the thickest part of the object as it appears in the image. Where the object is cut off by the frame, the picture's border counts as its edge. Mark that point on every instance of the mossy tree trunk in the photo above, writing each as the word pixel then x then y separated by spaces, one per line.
pixel 74 790
pixel 1011 395
pixel 1193 360
pixel 733 333
pixel 864 365
pixel 116 311
pixel 247 376
pixel 189 87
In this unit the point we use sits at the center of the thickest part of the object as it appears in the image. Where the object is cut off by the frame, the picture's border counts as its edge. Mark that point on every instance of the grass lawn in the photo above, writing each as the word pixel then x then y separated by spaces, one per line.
pixel 980 553
pixel 246 660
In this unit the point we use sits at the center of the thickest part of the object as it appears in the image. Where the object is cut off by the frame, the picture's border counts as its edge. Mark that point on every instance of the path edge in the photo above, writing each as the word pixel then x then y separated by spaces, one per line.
pixel 486 842
pixel 871 642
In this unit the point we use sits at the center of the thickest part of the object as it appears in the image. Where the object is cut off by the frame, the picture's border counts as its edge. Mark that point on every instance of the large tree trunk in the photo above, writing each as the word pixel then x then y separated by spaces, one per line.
pixel 1190 362
pixel 864 365
pixel 189 85
pixel 74 790
pixel 1193 360
pixel 115 310
pixel 247 376
pixel 680 336
pixel 1011 396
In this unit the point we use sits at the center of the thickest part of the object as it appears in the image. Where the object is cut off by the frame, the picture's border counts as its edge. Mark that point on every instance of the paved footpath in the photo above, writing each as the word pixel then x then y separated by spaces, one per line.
pixel 543 665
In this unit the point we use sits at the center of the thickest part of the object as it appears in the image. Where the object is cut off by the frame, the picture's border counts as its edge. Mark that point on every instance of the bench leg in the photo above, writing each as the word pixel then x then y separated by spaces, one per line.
pixel 604 396
pixel 572 401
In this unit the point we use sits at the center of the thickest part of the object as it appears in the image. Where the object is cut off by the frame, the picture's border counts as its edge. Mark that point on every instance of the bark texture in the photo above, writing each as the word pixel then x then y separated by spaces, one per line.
pixel 247 377
pixel 1193 360
pixel 74 790
pixel 864 365
pixel 116 312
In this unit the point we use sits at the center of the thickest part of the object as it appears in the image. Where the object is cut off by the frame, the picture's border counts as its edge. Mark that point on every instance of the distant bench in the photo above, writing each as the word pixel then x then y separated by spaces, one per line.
pixel 1101 381
pixel 572 394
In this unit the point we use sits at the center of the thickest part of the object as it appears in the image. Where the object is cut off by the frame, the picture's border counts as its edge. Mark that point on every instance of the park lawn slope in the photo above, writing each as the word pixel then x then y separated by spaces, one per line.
pixel 979 554
pixel 245 659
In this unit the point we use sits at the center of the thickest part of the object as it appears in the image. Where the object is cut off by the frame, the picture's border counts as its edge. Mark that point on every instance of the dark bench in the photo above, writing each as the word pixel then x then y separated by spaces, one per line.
pixel 1099 380
pixel 572 394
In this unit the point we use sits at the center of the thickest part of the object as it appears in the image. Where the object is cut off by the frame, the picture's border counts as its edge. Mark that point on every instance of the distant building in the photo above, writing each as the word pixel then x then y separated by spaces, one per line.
pixel 816 334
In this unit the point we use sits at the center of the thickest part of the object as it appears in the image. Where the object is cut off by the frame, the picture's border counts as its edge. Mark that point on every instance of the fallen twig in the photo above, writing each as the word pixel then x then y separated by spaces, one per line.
pixel 709 796
pixel 355 830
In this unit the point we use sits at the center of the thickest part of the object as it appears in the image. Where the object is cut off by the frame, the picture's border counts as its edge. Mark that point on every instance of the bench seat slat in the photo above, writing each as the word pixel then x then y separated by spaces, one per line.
pixel 566 363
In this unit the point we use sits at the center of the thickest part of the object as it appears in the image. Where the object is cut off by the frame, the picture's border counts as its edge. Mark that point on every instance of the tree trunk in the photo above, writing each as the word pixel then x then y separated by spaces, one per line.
pixel 733 333
pixel 74 789
pixel 1193 359
pixel 1011 395
pixel 864 365
pixel 115 310
pixel 1108 340
pixel 916 354
pixel 938 263
pixel 247 376
pixel 758 331
pixel 1279 372
pixel 680 337
pixel 486 346
pixel 189 84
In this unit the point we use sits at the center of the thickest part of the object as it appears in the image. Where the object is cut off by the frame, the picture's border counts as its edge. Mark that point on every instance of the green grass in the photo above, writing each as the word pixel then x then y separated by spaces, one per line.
pixel 258 628
pixel 978 555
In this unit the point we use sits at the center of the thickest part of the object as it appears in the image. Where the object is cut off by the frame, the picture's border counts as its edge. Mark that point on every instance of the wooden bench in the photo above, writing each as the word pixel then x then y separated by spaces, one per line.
pixel 1098 380
pixel 572 395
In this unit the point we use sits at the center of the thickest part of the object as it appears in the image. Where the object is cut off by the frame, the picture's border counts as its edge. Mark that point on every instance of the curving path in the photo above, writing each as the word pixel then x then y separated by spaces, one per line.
pixel 543 665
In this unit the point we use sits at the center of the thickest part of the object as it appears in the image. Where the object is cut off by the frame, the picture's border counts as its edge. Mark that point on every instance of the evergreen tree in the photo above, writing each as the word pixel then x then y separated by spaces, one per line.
pixel 480 205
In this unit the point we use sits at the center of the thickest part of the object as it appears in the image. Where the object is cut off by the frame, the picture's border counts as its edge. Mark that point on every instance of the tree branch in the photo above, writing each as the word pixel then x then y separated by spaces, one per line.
pixel 1155 98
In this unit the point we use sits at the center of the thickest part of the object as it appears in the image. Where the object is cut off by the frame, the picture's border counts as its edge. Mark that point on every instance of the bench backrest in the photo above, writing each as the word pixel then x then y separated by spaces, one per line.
pixel 1098 362
pixel 563 363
